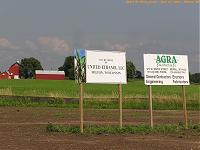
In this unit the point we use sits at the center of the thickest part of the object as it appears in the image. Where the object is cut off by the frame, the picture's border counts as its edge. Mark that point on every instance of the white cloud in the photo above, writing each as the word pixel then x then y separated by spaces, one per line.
pixel 31 45
pixel 54 43
pixel 5 43
pixel 116 46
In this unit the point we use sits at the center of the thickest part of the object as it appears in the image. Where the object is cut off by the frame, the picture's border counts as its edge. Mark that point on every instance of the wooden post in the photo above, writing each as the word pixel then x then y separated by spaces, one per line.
pixel 120 104
pixel 184 107
pixel 81 107
pixel 150 106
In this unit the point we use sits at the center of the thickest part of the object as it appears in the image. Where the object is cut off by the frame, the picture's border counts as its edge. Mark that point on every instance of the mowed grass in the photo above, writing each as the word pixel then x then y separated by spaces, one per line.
pixel 68 88
pixel 135 94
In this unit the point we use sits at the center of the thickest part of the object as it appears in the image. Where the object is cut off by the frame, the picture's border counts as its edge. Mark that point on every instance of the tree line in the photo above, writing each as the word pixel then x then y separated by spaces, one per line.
pixel 29 65
pixel 68 68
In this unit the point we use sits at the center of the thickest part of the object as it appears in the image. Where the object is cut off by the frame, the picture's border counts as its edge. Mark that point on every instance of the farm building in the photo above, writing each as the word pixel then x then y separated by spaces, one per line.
pixel 4 75
pixel 49 75
pixel 12 73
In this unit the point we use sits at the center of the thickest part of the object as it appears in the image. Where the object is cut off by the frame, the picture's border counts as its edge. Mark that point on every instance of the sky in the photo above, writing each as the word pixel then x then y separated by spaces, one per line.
pixel 50 30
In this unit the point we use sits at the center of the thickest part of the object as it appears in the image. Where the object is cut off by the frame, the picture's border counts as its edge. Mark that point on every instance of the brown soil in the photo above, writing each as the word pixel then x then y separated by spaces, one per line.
pixel 24 128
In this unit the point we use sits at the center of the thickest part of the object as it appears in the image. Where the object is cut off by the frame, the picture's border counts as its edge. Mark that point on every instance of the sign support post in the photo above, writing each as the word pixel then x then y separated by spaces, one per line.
pixel 97 66
pixel 166 69
pixel 150 106
pixel 120 104
pixel 81 106
pixel 184 106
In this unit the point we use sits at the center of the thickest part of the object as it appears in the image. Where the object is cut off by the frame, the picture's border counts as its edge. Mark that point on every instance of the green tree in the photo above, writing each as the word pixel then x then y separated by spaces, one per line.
pixel 195 78
pixel 130 69
pixel 68 67
pixel 138 74
pixel 28 67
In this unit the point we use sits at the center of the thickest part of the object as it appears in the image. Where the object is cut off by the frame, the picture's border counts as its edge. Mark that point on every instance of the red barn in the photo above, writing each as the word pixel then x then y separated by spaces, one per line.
pixel 4 75
pixel 49 75
pixel 12 73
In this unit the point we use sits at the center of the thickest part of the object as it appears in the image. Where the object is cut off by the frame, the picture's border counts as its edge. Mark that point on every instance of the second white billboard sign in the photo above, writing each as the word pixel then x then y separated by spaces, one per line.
pixel 164 69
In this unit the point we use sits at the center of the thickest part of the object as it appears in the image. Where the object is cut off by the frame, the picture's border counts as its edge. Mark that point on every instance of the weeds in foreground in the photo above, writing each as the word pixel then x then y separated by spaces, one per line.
pixel 143 129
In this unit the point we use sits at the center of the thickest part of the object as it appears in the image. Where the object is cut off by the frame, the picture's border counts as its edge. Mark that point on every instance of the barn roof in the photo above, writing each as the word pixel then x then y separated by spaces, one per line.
pixel 49 72
pixel 5 72
pixel 14 64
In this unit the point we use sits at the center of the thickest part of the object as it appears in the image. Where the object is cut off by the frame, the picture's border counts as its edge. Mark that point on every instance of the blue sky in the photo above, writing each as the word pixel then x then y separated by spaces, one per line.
pixel 51 29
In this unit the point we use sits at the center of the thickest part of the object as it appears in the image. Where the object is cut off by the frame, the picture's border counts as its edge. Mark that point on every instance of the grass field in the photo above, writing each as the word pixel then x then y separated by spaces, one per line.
pixel 135 92
pixel 69 88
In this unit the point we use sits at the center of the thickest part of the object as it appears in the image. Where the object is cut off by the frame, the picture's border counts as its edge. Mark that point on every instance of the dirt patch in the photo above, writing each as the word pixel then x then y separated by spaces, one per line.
pixel 24 128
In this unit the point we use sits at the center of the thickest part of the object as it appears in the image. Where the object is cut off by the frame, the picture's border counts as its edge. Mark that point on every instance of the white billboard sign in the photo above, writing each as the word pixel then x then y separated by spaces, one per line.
pixel 164 69
pixel 105 67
